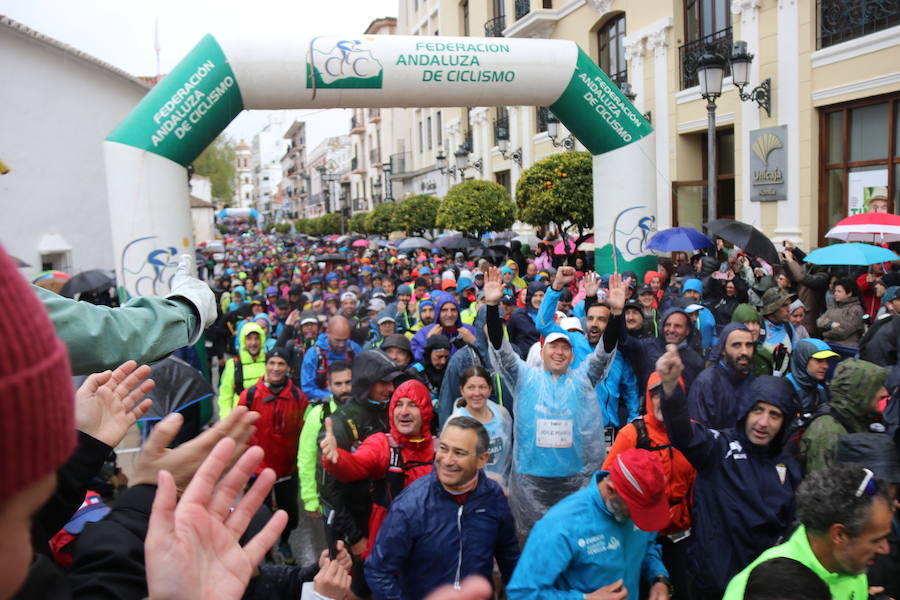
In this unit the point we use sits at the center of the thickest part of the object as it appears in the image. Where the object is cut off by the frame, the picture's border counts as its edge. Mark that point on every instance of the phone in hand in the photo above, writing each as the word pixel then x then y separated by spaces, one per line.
pixel 330 538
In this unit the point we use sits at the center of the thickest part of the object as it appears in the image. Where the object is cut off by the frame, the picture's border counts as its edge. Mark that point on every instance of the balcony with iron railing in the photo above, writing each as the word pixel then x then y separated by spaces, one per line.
pixel 374 115
pixel 842 20
pixel 356 125
pixel 495 27
pixel 690 53
pixel 400 161
pixel 357 166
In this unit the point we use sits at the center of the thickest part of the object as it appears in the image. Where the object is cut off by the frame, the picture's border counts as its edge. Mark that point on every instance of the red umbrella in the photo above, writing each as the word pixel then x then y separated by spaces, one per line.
pixel 867 227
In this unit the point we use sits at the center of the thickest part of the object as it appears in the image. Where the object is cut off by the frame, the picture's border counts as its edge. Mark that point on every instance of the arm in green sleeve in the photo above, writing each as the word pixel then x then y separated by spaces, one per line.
pixel 226 390
pixel 145 329
pixel 306 459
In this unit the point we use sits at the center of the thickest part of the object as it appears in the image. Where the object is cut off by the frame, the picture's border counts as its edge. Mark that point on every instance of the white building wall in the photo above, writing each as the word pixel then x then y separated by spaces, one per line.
pixel 57 110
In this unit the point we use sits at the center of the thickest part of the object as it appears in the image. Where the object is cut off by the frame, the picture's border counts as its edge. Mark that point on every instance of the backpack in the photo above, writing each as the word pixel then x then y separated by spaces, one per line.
pixel 386 489
pixel 799 426
pixel 322 365
pixel 643 437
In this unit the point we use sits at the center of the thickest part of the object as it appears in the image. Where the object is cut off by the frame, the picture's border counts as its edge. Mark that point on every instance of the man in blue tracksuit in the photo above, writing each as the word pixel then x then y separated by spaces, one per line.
pixel 744 490
pixel 447 525
pixel 333 345
pixel 601 539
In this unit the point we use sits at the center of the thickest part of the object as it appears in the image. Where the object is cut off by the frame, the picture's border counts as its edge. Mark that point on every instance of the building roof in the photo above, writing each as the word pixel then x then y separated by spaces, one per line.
pixel 377 25
pixel 13 25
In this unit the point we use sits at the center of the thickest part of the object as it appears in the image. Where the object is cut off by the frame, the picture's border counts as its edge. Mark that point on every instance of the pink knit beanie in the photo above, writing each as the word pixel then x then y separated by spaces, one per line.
pixel 37 414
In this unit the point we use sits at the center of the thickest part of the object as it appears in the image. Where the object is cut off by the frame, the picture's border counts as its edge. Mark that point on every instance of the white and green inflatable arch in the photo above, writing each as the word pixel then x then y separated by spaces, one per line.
pixel 147 154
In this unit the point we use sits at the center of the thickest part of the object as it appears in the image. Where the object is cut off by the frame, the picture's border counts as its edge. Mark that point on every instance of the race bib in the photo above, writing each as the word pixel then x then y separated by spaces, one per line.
pixel 554 433
pixel 494 450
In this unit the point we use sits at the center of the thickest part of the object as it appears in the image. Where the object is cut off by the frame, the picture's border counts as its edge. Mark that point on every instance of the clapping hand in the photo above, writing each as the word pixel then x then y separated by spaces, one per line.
pixel 493 287
pixel 329 443
pixel 618 291
pixel 192 549
pixel 108 403
pixel 183 461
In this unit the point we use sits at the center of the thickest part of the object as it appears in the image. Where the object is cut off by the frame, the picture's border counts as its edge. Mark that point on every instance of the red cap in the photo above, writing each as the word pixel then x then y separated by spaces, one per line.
pixel 638 478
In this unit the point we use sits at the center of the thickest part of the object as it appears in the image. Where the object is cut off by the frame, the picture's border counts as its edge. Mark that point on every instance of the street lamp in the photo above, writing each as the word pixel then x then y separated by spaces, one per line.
pixel 388 183
pixel 567 142
pixel 460 162
pixel 376 187
pixel 501 132
pixel 710 73
pixel 740 76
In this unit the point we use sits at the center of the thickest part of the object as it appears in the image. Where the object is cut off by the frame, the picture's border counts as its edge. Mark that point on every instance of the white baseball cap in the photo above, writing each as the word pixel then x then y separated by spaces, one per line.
pixel 556 335
pixel 570 323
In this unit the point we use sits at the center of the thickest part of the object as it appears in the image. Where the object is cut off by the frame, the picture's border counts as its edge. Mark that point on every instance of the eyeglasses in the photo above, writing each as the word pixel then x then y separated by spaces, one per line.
pixel 868 484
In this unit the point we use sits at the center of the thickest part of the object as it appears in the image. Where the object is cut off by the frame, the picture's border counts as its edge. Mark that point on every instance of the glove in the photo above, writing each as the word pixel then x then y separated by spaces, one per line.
pixel 196 293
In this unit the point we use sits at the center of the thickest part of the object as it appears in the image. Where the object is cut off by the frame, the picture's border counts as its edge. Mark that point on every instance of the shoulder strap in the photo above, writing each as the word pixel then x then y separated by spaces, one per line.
pixel 643 437
pixel 827 409
pixel 238 375
pixel 251 394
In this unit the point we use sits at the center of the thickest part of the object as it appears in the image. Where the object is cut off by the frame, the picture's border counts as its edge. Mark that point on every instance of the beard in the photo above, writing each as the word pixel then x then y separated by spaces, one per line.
pixel 740 368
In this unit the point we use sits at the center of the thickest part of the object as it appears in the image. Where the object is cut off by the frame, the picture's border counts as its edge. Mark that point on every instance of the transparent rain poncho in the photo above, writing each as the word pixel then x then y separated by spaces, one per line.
pixel 558 430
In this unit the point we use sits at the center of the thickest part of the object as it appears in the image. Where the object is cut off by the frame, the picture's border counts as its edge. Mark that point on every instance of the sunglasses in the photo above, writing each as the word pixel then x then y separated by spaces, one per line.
pixel 867 485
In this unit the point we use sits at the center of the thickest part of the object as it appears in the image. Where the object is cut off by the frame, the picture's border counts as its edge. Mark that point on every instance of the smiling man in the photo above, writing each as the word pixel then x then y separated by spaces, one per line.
pixel 845 519
pixel 447 525
pixel 744 490
pixel 716 393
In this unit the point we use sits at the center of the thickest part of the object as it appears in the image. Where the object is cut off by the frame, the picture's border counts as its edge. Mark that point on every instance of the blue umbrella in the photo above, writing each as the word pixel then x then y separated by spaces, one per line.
pixel 677 239
pixel 850 254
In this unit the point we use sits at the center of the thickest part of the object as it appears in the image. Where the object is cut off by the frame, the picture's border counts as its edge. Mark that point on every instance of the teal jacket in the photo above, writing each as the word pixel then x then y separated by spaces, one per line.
pixel 145 329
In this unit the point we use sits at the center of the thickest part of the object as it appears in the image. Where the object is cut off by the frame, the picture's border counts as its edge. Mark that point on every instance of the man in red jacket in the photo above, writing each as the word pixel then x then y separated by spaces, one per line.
pixel 393 460
pixel 281 406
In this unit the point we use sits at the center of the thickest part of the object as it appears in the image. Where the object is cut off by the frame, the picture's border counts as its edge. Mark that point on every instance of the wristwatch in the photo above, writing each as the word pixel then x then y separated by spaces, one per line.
pixel 665 580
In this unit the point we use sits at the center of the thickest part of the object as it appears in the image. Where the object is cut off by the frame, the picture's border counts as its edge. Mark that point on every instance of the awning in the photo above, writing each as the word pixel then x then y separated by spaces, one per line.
pixel 53 242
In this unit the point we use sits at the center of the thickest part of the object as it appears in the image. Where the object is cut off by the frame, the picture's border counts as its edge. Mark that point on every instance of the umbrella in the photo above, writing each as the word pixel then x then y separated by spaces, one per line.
pixel 675 239
pixel 747 237
pixel 488 253
pixel 19 262
pixel 89 281
pixel 528 240
pixel 331 258
pixel 457 242
pixel 360 243
pixel 413 243
pixel 850 254
pixel 179 388
pixel 43 275
pixel 867 227
pixel 560 249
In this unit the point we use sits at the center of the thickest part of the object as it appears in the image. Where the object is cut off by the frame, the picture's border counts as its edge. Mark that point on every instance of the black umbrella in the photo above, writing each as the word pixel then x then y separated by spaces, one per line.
pixel 488 253
pixel 88 281
pixel 747 237
pixel 179 388
pixel 457 242
pixel 331 258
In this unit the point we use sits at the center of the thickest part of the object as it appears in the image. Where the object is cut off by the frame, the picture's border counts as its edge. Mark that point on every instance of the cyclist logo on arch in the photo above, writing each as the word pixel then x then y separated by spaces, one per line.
pixel 335 63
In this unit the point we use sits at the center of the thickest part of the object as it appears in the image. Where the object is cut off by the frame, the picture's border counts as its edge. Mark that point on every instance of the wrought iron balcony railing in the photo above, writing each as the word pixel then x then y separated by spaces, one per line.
pixel 690 53
pixel 842 20
pixel 495 27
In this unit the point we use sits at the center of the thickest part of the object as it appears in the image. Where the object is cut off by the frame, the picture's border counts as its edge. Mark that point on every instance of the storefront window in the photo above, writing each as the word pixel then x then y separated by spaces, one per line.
pixel 857 160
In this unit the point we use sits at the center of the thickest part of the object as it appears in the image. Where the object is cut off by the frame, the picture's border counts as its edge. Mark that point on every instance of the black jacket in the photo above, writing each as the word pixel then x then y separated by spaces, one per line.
pixel 881 344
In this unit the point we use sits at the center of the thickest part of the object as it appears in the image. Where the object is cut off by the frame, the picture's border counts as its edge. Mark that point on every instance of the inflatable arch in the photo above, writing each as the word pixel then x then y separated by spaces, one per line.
pixel 147 154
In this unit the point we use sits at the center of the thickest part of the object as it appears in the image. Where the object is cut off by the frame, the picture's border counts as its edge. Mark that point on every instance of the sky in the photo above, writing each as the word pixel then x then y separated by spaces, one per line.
pixel 122 33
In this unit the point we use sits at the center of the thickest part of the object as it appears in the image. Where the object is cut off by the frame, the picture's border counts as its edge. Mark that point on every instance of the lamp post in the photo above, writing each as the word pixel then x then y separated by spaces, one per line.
pixel 567 142
pixel 710 73
pixel 460 162
pixel 376 187
pixel 501 132
pixel 388 184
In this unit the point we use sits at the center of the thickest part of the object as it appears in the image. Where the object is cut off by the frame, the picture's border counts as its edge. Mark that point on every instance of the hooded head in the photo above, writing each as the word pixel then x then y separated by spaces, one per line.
pixel 442 299
pixel 774 391
pixel 719 351
pixel 694 286
pixel 854 386
pixel 246 330
pixel 676 328
pixel 437 343
pixel 413 390
pixel 372 369
pixel 533 288
pixel 804 350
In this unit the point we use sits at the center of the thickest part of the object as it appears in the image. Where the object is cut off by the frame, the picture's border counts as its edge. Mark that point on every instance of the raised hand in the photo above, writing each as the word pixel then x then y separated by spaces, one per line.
pixel 192 548
pixel 670 367
pixel 332 580
pixel 329 443
pixel 108 403
pixel 183 461
pixel 618 291
pixel 564 277
pixel 591 284
pixel 493 286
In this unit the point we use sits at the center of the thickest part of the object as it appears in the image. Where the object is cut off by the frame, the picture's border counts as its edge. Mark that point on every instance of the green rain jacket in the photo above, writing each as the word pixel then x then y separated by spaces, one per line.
pixel 841 586
pixel 308 455
pixel 852 390
pixel 252 370
pixel 145 329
